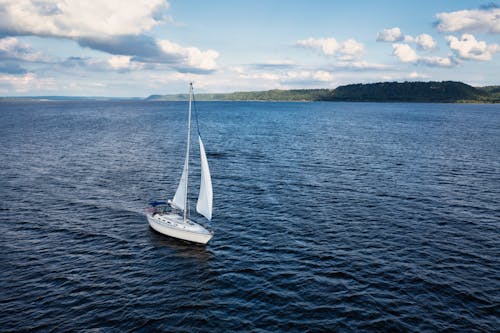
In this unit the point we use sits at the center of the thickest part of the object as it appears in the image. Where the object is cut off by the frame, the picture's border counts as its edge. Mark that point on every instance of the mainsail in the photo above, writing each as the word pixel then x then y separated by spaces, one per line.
pixel 204 205
pixel 178 224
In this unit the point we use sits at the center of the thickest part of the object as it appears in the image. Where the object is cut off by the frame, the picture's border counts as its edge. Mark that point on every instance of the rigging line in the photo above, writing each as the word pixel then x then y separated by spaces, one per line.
pixel 196 116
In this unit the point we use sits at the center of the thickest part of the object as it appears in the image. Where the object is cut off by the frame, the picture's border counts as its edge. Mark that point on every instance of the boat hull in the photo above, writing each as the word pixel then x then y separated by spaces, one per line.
pixel 172 225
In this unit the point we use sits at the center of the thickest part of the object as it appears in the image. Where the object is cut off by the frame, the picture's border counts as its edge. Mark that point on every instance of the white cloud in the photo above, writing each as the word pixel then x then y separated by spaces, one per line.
pixel 237 69
pixel 351 49
pixel 409 39
pixel 414 75
pixel 193 58
pixel 404 76
pixel 292 76
pixel 404 53
pixel 19 83
pixel 75 19
pixel 468 48
pixel 322 76
pixel 25 83
pixel 425 42
pixel 269 76
pixel 478 20
pixel 12 48
pixel 361 65
pixel 119 62
pixel 328 46
pixel 124 63
pixel 348 50
pixel 390 35
pixel 439 61
pixel 116 27
pixel 202 60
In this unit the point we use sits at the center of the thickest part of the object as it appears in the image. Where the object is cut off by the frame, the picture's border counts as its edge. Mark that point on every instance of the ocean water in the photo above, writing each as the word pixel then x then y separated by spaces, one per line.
pixel 351 217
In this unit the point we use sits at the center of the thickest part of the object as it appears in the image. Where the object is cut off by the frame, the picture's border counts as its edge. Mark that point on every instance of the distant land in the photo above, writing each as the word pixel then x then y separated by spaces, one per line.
pixel 412 92
pixel 67 98
pixel 416 92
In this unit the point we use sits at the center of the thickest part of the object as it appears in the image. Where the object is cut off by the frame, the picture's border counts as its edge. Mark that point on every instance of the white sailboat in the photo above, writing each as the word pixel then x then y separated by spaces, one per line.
pixel 173 219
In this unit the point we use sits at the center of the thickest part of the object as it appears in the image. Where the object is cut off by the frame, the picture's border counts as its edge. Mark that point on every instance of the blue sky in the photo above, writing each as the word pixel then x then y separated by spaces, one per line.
pixel 137 48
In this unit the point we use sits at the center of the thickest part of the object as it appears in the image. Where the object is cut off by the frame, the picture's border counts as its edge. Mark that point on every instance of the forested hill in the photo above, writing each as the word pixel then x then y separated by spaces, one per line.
pixel 442 92
pixel 421 92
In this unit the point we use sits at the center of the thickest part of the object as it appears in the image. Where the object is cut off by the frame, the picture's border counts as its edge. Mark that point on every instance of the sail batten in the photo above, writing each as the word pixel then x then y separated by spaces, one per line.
pixel 205 197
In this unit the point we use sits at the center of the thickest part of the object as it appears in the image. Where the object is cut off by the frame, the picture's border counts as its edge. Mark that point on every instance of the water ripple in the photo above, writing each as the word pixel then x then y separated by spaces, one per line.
pixel 328 217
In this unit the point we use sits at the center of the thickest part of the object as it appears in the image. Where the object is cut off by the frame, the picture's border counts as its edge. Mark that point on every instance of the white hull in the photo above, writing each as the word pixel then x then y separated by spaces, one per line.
pixel 173 225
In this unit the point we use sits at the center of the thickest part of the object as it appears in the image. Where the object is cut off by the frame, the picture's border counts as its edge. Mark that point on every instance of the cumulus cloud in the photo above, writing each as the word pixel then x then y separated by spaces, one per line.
pixel 328 46
pixel 468 48
pixel 139 46
pixel 192 57
pixel 409 39
pixel 390 35
pixel 116 27
pixel 425 42
pixel 119 62
pixel 145 49
pixel 124 63
pixel 439 61
pixel 476 20
pixel 76 19
pixel 404 53
pixel 348 50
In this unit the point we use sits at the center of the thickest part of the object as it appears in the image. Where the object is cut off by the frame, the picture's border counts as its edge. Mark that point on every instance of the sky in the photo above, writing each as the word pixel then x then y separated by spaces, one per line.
pixel 130 48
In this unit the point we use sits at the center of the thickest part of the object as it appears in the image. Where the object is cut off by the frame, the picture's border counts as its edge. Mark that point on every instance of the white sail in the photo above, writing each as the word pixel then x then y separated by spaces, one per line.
pixel 179 200
pixel 204 205
pixel 174 224
pixel 180 197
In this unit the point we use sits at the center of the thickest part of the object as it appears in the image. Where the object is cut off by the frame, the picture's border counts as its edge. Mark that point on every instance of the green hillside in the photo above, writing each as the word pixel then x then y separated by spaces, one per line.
pixel 440 92
pixel 418 92
pixel 269 95
pixel 493 93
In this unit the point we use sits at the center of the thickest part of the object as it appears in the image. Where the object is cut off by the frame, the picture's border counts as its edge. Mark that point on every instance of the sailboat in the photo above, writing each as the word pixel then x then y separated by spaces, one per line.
pixel 172 218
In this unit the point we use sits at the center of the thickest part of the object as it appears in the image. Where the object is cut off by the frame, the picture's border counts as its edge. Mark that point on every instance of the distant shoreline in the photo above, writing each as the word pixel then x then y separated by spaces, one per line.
pixel 138 100
pixel 67 98
pixel 382 92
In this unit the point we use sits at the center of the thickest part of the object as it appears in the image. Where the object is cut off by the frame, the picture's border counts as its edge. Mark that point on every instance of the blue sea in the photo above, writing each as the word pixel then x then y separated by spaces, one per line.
pixel 349 217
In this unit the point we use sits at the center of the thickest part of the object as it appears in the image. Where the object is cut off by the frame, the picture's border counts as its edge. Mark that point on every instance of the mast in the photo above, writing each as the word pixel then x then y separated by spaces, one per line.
pixel 187 151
